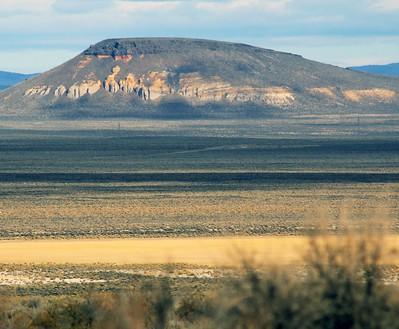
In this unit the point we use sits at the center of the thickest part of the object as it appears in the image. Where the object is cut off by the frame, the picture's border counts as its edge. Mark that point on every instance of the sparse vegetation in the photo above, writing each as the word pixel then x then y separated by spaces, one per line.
pixel 138 182
pixel 342 287
pixel 87 184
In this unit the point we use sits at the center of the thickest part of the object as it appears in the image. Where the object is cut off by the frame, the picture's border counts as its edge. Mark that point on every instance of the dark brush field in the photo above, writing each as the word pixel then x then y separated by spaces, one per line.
pixel 87 179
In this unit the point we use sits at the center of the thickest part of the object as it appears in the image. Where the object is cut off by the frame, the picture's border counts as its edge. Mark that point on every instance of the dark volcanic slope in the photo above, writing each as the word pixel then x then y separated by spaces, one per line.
pixel 184 78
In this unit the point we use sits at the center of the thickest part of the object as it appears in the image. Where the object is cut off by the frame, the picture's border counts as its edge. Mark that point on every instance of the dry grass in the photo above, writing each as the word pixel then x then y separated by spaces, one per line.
pixel 224 251
pixel 113 210
pixel 196 251
pixel 343 287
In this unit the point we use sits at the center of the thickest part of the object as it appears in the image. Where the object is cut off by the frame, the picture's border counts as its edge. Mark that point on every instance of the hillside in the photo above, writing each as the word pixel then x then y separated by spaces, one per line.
pixel 8 79
pixel 390 70
pixel 187 78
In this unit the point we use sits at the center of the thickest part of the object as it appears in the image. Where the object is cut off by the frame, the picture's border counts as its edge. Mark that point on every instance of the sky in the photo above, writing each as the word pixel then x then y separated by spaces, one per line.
pixel 37 35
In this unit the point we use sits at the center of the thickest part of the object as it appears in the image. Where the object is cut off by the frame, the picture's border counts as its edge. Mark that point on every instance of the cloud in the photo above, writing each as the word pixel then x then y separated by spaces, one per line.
pixel 23 7
pixel 80 6
pixel 208 5
pixel 386 5
pixel 132 6
pixel 237 5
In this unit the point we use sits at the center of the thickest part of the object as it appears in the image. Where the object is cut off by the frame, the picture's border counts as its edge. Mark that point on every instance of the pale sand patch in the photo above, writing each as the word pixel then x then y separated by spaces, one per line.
pixel 19 278
pixel 223 251
pixel 198 251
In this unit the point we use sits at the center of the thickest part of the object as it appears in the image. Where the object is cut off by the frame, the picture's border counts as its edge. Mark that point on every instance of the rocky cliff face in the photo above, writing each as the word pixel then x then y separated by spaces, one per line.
pixel 132 74
pixel 154 85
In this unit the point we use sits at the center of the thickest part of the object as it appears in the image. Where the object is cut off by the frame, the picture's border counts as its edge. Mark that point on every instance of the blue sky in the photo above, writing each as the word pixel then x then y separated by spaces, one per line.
pixel 39 34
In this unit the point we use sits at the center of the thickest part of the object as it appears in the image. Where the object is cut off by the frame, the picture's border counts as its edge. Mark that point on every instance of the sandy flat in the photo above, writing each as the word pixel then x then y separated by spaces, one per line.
pixel 197 251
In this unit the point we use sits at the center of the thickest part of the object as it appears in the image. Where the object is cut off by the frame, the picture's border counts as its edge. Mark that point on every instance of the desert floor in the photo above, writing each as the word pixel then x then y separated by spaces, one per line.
pixel 216 251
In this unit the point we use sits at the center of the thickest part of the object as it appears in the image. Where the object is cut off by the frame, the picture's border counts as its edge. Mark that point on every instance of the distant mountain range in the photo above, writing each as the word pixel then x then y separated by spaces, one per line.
pixel 8 79
pixel 174 78
pixel 389 70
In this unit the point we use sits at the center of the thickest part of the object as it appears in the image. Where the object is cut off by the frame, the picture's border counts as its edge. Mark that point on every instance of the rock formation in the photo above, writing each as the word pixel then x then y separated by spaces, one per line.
pixel 376 95
pixel 215 89
pixel 323 91
pixel 60 91
pixel 80 89
pixel 110 83
pixel 129 84
pixel 38 91
pixel 157 85
pixel 153 86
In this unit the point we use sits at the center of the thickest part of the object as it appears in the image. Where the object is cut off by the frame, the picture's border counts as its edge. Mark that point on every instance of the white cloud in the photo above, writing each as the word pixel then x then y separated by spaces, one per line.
pixel 237 5
pixel 24 7
pixel 80 6
pixel 127 7
pixel 385 5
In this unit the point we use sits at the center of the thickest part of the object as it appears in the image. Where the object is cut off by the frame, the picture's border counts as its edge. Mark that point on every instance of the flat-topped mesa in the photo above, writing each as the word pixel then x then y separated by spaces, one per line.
pixel 159 77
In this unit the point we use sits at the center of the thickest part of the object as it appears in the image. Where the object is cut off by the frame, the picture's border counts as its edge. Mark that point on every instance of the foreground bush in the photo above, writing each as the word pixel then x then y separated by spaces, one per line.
pixel 341 288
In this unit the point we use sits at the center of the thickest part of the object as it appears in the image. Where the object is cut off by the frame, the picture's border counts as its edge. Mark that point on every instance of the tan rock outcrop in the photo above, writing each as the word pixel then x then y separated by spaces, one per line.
pixel 38 91
pixel 84 62
pixel 158 85
pixel 196 87
pixel 110 83
pixel 278 96
pixel 323 91
pixel 151 86
pixel 82 88
pixel 124 58
pixel 376 94
pixel 193 85
pixel 130 84
pixel 103 56
pixel 60 91
pixel 274 96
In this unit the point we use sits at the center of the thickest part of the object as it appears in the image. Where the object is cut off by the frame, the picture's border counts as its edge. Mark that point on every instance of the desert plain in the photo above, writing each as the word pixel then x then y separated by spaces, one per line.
pixel 100 203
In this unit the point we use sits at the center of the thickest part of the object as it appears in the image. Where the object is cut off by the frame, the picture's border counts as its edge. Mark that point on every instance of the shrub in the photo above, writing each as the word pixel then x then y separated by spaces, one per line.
pixel 342 288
